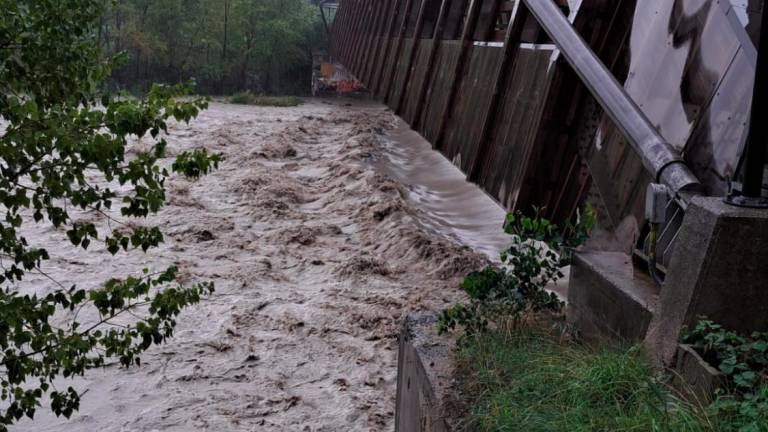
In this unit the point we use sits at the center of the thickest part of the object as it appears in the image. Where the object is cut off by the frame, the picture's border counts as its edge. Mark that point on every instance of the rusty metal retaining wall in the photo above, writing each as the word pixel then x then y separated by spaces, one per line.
pixel 483 83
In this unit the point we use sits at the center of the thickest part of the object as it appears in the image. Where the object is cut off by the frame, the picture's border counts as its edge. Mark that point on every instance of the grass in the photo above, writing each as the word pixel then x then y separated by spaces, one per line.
pixel 534 381
pixel 248 98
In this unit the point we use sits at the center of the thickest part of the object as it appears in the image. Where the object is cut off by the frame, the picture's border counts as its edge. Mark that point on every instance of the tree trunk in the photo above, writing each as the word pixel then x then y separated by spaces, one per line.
pixel 224 47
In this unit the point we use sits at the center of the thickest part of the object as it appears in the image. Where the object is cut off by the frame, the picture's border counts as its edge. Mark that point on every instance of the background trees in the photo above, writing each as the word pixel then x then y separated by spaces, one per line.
pixel 225 45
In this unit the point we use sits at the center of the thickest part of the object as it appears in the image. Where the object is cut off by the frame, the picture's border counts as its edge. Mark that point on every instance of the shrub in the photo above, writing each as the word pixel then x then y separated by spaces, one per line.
pixel 242 98
pixel 503 296
pixel 248 98
pixel 742 404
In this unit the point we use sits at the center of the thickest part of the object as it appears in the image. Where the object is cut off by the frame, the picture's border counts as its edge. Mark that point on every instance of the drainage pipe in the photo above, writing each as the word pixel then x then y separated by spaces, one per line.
pixel 657 155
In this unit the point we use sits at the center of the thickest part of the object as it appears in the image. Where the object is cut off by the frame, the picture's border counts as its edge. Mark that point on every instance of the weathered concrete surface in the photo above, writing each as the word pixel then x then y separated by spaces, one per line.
pixel 608 298
pixel 719 269
pixel 426 399
pixel 694 378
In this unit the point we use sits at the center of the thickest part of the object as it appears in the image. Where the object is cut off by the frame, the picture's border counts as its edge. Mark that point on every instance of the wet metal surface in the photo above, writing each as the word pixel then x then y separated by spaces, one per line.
pixel 698 48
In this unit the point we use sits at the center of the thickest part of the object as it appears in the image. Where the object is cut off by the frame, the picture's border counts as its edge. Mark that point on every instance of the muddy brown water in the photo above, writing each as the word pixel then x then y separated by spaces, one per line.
pixel 325 223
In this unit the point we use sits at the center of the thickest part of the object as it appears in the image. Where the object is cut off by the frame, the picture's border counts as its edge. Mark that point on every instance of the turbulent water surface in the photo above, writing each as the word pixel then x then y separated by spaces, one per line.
pixel 324 224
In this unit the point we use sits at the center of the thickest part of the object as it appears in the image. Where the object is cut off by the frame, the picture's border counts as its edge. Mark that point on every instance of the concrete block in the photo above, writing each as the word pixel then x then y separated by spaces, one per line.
pixel 694 378
pixel 719 269
pixel 426 397
pixel 608 298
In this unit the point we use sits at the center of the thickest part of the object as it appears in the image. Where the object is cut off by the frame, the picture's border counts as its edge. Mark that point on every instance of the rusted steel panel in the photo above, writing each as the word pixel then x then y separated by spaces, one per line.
pixel 340 29
pixel 361 39
pixel 395 53
pixel 382 18
pixel 453 23
pixel 547 166
pixel 387 41
pixel 427 65
pixel 371 35
pixel 514 134
pixel 409 56
pixel 417 81
pixel 351 38
pixel 440 83
pixel 431 16
pixel 401 71
pixel 463 133
pixel 485 21
pixel 685 62
pixel 365 38
pixel 388 69
pixel 506 65
pixel 413 19
pixel 576 184
pixel 460 72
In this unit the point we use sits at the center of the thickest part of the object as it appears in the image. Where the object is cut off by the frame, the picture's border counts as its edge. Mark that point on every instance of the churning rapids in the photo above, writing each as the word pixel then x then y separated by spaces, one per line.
pixel 322 227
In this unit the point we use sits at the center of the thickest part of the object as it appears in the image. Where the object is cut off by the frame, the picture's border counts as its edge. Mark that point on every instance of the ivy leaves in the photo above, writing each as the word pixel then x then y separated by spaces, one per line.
pixel 63 146
pixel 743 360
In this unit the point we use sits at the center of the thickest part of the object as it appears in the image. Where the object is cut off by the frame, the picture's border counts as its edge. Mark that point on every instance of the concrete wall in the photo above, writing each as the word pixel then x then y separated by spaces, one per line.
pixel 426 398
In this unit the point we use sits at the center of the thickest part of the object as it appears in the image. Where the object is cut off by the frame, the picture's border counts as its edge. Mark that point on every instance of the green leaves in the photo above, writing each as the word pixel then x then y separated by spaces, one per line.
pixel 263 45
pixel 535 227
pixel 196 163
pixel 743 403
pixel 532 228
pixel 743 359
pixel 141 237
pixel 479 285
pixel 503 296
pixel 60 133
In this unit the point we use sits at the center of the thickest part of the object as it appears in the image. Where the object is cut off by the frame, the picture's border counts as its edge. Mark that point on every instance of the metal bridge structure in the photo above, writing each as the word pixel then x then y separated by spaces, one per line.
pixel 653 111
pixel 553 103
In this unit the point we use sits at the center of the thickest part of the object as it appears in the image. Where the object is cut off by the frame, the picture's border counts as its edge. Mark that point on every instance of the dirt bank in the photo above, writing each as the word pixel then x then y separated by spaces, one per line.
pixel 316 254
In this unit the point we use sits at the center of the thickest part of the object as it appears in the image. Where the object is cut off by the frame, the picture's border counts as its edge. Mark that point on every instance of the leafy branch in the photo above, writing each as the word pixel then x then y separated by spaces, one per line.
pixel 61 130
pixel 501 297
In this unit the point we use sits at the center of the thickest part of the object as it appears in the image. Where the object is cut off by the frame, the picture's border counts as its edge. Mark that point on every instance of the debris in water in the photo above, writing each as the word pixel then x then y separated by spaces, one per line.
pixel 362 266
pixel 204 236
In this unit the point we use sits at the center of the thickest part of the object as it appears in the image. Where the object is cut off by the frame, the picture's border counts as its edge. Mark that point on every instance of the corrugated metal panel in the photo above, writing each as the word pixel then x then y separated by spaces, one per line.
pixel 437 95
pixel 400 72
pixel 466 120
pixel 686 63
pixel 515 130
pixel 417 81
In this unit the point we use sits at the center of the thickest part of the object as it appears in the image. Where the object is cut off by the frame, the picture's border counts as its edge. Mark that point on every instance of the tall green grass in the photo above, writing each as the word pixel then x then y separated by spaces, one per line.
pixel 248 98
pixel 534 381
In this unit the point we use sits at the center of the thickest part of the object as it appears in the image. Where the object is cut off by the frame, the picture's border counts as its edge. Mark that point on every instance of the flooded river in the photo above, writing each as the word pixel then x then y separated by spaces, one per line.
pixel 324 224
